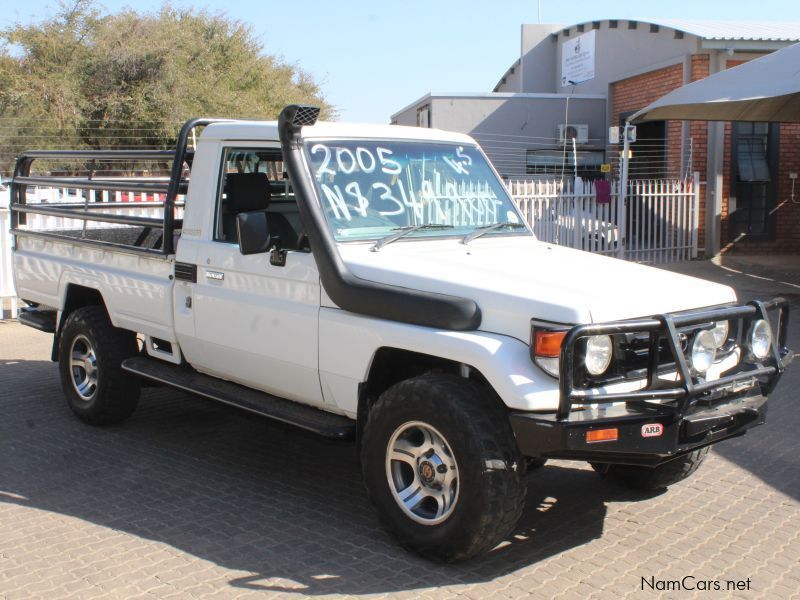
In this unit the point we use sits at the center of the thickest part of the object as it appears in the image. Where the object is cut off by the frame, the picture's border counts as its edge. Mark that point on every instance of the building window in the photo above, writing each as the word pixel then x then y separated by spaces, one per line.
pixel 613 24
pixel 632 24
pixel 754 159
pixel 751 152
pixel 549 163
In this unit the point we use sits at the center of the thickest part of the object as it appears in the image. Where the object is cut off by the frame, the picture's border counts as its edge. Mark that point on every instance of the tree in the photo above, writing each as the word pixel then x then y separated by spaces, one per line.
pixel 87 80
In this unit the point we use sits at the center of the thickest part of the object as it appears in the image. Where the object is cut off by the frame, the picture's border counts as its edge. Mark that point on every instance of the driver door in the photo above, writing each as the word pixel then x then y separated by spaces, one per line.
pixel 255 323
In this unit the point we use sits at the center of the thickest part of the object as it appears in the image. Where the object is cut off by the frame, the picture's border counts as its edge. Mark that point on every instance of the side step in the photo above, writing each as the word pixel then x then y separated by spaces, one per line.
pixel 43 320
pixel 187 379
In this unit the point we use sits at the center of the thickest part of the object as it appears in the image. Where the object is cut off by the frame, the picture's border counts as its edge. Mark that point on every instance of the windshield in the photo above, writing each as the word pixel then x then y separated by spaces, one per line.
pixel 370 189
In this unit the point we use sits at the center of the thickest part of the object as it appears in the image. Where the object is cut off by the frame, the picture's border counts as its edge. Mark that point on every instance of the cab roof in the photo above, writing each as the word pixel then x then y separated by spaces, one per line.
pixel 268 131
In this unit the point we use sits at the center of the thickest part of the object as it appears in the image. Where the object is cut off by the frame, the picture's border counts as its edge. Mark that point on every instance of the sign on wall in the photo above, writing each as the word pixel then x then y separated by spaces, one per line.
pixel 577 59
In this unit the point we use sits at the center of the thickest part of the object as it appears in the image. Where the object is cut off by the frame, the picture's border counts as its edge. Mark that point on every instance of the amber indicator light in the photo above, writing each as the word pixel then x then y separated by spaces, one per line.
pixel 548 343
pixel 602 435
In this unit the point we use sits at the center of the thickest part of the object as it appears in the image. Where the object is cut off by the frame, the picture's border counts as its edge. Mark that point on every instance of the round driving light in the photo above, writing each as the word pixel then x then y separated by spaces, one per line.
pixel 598 354
pixel 760 339
pixel 704 351
pixel 720 333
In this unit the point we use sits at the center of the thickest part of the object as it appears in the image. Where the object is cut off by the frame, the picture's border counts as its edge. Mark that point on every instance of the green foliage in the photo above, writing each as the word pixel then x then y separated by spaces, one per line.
pixel 87 80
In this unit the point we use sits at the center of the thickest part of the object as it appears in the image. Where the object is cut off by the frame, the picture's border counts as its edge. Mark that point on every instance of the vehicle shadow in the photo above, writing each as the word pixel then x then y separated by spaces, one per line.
pixel 252 496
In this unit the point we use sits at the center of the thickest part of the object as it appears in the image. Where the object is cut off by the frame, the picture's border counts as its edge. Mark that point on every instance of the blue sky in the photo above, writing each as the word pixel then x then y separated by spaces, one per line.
pixel 373 57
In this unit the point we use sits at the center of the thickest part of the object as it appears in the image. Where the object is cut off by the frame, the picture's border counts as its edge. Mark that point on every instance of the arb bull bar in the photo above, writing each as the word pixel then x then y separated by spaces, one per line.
pixel 664 418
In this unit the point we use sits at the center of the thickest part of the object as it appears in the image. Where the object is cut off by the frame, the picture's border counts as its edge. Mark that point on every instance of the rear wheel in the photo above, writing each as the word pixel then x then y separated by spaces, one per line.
pixel 653 478
pixel 441 466
pixel 91 351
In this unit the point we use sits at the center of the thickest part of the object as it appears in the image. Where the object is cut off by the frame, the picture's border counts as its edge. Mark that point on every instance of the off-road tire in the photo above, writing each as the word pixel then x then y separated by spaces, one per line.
pixel 653 478
pixel 116 394
pixel 490 469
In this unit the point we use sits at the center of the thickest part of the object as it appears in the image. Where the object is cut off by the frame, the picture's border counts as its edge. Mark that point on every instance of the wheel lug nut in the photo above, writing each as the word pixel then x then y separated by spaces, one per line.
pixel 442 468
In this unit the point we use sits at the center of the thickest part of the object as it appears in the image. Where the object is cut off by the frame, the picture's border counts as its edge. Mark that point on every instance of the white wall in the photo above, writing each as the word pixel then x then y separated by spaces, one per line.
pixel 619 53
pixel 507 126
pixel 538 58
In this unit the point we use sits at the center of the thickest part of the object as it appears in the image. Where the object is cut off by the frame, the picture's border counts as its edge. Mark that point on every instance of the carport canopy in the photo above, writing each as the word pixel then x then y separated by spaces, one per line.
pixel 764 89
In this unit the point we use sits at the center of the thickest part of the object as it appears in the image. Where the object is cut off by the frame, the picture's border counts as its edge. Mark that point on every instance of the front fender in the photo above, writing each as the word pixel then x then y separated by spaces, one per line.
pixel 348 343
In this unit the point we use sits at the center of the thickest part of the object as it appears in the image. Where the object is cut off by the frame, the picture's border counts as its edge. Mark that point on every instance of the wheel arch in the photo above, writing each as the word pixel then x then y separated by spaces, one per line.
pixel 75 296
pixel 391 365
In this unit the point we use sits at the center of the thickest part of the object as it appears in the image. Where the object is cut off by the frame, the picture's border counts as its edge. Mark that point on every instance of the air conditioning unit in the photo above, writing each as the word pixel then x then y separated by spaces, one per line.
pixel 578 131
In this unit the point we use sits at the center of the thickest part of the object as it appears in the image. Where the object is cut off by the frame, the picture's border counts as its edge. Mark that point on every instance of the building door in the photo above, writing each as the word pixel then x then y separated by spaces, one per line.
pixel 648 152
pixel 753 164
pixel 648 160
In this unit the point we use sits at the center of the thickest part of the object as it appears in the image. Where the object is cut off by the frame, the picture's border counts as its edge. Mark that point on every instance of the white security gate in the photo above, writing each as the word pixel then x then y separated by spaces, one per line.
pixel 657 222
pixel 8 296
pixel 569 217
pixel 661 220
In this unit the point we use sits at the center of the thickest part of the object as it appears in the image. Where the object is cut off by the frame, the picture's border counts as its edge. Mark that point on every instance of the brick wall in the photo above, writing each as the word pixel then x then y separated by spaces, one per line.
pixel 787 216
pixel 637 92
pixel 787 210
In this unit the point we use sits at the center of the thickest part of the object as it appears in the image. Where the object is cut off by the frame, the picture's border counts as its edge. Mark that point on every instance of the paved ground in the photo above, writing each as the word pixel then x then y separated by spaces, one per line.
pixel 191 499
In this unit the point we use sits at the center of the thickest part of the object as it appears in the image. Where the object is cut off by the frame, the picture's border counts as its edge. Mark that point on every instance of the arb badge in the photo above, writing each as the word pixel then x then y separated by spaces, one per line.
pixel 652 430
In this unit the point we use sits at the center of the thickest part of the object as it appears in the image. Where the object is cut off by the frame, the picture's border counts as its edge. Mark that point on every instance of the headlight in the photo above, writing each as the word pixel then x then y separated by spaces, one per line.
pixel 598 354
pixel 720 333
pixel 704 351
pixel 760 339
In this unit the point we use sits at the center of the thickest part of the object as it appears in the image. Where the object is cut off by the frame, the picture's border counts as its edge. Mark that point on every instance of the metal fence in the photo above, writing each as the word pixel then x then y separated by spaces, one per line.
pixel 657 222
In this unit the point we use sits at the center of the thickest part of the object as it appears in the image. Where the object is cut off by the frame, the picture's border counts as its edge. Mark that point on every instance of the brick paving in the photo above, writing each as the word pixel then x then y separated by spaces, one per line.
pixel 189 499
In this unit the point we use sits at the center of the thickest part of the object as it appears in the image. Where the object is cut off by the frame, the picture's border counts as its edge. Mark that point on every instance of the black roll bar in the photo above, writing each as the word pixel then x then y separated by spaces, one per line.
pixel 176 185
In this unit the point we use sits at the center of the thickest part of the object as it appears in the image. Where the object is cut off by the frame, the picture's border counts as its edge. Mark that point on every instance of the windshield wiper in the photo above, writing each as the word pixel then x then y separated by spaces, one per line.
pixel 404 231
pixel 484 230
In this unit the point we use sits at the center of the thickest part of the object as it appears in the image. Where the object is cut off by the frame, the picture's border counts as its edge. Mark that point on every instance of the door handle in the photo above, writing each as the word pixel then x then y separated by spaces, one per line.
pixel 215 275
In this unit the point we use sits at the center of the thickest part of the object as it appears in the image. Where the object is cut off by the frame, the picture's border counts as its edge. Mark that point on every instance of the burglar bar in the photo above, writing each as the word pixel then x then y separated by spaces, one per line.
pixel 667 326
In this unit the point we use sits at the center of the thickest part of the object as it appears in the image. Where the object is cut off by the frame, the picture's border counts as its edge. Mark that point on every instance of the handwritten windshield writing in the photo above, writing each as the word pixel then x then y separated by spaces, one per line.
pixel 362 181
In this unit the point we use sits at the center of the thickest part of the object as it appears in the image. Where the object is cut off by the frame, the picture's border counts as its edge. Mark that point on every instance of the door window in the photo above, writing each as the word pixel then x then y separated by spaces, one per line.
pixel 253 179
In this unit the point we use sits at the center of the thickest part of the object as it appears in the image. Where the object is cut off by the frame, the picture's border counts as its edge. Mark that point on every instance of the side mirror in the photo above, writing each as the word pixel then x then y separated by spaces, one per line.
pixel 254 235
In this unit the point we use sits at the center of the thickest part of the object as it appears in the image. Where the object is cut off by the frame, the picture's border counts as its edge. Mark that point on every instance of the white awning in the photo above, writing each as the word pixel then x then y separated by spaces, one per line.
pixel 764 89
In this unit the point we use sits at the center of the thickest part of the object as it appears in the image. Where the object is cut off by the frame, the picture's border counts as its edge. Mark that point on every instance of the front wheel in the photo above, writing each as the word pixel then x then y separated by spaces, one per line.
pixel 441 466
pixel 653 478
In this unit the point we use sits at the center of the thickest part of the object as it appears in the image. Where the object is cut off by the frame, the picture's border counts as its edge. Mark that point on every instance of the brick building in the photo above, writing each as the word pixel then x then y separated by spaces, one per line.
pixel 746 200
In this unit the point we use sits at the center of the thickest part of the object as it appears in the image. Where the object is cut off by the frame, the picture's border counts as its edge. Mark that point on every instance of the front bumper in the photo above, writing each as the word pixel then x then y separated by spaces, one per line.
pixel 663 419
pixel 548 437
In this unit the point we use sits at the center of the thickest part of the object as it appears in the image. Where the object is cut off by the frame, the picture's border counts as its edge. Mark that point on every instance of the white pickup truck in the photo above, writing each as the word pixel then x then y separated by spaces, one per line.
pixel 378 283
